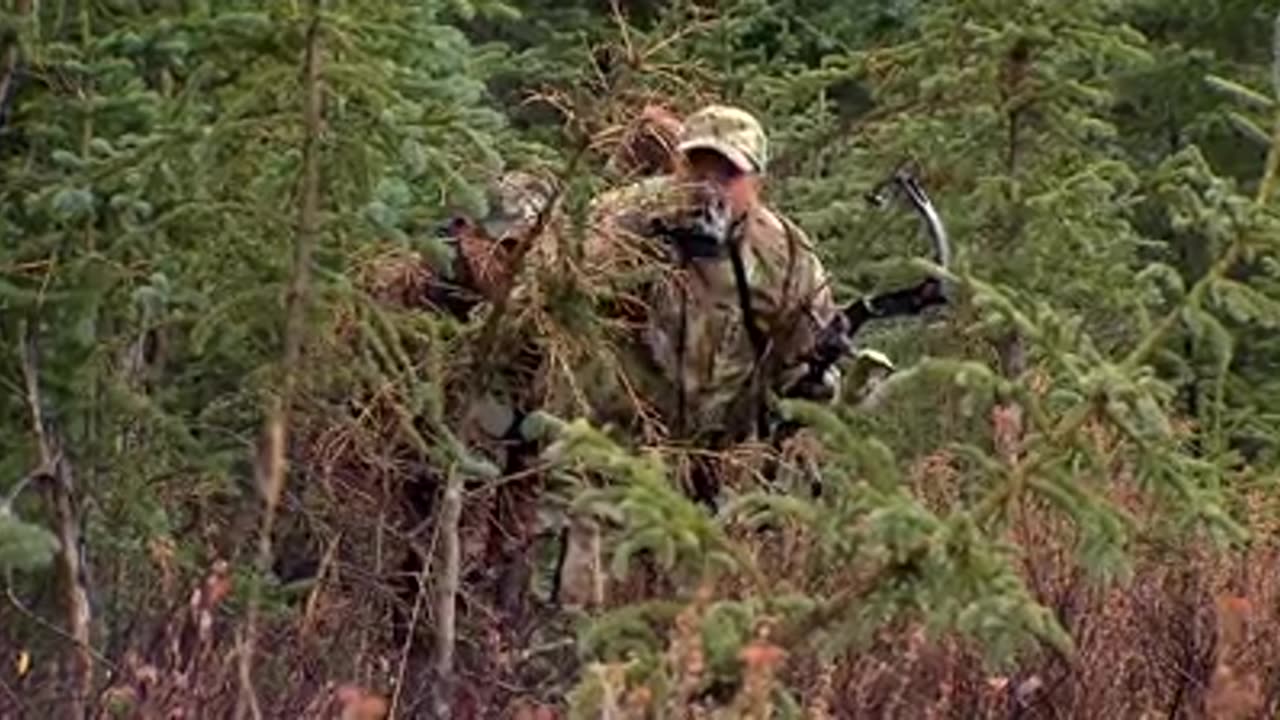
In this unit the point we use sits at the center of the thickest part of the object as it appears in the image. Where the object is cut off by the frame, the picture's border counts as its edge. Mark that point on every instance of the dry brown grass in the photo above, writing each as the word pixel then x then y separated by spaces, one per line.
pixel 1194 634
pixel 1147 650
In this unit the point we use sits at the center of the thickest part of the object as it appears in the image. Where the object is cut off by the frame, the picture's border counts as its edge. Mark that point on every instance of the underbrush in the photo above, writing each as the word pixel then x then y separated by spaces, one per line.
pixel 1192 632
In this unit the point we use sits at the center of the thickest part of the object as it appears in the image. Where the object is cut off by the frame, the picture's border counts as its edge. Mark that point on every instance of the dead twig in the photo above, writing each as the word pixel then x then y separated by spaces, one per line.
pixel 408 639
pixel 31 615
pixel 313 598
pixel 447 593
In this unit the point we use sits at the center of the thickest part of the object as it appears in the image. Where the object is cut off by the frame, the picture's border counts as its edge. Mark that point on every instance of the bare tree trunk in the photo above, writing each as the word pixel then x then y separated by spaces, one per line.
pixel 271 455
pixel 71 569
pixel 447 594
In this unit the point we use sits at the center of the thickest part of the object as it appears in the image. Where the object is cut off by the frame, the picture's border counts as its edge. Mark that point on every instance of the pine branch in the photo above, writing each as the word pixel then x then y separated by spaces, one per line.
pixel 1062 434
pixel 1236 249
pixel 271 459
pixel 1224 264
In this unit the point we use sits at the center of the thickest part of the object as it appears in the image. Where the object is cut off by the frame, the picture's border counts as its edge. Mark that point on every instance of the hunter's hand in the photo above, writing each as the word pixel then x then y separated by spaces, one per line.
pixel 819 386
pixel 833 342
pixel 700 225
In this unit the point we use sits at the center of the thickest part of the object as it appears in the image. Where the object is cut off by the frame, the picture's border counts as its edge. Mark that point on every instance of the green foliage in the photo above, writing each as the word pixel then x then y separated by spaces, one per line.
pixel 24 546
pixel 639 496
pixel 1098 164
pixel 147 204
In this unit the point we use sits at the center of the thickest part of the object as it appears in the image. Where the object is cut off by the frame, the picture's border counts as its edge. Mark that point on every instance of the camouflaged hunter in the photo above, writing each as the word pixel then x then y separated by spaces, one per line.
pixel 711 302
pixel 699 347
pixel 723 320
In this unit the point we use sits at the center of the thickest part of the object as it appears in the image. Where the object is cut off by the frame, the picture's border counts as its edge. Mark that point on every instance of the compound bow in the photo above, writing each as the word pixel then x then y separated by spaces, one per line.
pixel 837 338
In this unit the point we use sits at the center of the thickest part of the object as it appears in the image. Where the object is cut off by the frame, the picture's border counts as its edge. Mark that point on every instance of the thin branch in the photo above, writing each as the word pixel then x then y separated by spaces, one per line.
pixel 447 593
pixel 41 473
pixel 408 638
pixel 31 615
pixel 271 458
pixel 13 695
pixel 71 567
pixel 327 565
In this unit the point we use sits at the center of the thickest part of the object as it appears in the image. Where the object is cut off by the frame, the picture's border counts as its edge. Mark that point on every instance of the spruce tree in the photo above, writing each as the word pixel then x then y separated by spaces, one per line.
pixel 151 193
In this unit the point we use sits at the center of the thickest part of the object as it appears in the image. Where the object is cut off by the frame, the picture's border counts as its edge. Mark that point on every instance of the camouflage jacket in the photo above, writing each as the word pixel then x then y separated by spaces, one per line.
pixel 685 348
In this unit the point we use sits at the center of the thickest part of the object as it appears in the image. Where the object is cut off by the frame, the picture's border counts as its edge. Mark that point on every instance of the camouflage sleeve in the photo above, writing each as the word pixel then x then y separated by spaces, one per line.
pixel 609 216
pixel 797 304
pixel 820 311
pixel 631 208
pixel 619 233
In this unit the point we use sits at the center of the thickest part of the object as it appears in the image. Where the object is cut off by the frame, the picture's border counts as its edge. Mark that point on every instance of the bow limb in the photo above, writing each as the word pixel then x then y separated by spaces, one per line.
pixel 907 182
pixel 914 299
pixel 933 222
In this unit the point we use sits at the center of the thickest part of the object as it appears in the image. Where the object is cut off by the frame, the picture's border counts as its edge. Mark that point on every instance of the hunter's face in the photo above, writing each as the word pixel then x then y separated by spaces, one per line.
pixel 739 188
pixel 710 166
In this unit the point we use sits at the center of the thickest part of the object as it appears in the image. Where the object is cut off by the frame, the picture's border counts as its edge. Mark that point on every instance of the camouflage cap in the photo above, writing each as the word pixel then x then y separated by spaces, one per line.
pixel 515 198
pixel 730 131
